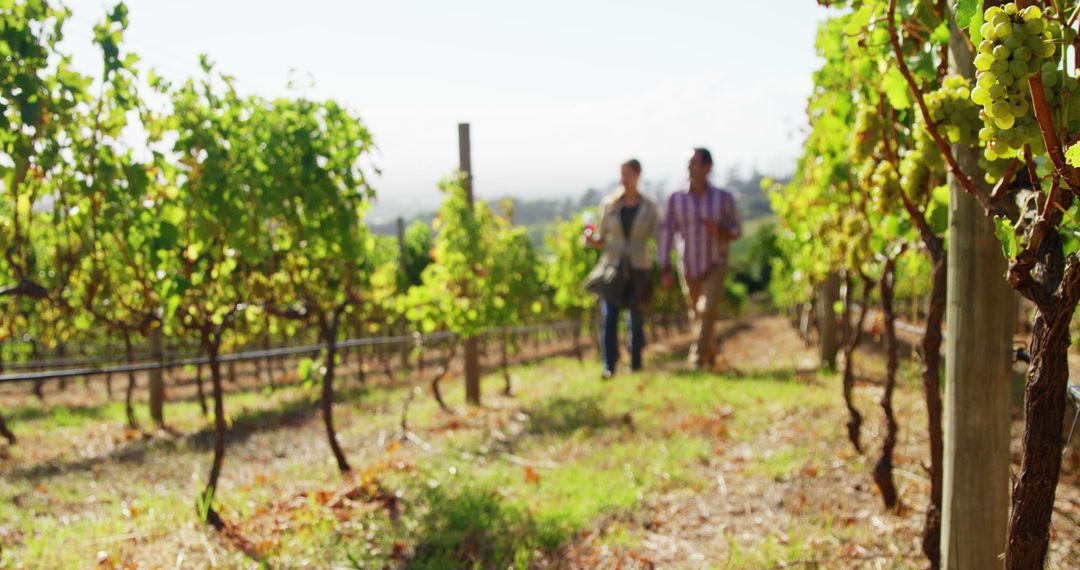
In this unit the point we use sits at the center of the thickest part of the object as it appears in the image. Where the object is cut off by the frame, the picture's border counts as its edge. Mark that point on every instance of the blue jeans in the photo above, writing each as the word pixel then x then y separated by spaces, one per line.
pixel 609 335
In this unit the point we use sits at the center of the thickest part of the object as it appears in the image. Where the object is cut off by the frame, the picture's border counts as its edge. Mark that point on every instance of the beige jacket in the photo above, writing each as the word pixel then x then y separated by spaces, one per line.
pixel 616 243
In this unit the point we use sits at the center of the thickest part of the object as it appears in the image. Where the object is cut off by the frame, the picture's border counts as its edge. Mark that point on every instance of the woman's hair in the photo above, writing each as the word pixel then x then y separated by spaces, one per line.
pixel 634 165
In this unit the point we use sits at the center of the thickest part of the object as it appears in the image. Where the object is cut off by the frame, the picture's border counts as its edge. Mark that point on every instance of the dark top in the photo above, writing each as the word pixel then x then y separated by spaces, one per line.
pixel 627 215
pixel 638 291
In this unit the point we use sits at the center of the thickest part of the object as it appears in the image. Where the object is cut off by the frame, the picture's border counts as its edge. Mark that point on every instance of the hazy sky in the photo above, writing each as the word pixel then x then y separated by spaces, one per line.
pixel 558 93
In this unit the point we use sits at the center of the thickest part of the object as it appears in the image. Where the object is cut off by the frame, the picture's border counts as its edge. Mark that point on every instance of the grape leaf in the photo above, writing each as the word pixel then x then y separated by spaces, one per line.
pixel 976 25
pixel 171 305
pixel 305 368
pixel 938 217
pixel 1072 156
pixel 896 89
pixel 1006 233
pixel 859 20
pixel 966 10
pixel 941 34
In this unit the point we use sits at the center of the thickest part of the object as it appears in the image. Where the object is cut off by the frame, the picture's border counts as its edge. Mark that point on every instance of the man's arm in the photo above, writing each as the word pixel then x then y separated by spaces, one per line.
pixel 732 222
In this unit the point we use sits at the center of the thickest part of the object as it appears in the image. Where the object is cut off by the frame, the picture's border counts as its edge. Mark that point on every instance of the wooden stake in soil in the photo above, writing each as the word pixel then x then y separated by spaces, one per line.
pixel 980 311
pixel 828 294
pixel 157 378
pixel 472 352
pixel 403 328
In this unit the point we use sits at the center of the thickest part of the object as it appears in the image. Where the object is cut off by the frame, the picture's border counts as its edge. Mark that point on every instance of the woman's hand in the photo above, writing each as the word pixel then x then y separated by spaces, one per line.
pixel 594 243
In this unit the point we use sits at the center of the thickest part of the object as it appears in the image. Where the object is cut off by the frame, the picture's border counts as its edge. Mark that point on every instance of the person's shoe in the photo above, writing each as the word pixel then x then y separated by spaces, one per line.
pixel 606 374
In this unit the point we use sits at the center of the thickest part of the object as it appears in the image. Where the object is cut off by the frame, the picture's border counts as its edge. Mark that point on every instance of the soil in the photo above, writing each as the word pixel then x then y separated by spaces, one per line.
pixel 834 490
pixel 829 505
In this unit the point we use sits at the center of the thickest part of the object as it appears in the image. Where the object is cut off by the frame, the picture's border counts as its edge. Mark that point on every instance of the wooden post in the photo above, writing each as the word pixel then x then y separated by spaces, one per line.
pixel 157 378
pixel 472 352
pixel 404 328
pixel 829 341
pixel 980 315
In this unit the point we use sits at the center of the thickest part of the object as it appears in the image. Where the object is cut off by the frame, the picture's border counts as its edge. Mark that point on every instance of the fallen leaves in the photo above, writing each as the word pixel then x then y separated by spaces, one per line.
pixel 129 510
pixel 646 562
pixel 715 424
pixel 452 424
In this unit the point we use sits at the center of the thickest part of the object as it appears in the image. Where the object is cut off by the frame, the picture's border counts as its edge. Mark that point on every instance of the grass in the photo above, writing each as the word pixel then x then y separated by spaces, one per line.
pixel 504 486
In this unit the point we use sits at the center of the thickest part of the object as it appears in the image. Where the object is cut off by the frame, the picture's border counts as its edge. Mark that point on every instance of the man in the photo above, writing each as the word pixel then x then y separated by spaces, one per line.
pixel 706 222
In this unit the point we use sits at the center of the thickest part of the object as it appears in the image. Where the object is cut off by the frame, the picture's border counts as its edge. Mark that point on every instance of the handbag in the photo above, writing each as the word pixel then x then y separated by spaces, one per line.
pixel 613 283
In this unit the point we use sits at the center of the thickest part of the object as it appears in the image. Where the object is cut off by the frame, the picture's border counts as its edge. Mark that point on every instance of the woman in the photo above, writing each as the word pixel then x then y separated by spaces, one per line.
pixel 628 221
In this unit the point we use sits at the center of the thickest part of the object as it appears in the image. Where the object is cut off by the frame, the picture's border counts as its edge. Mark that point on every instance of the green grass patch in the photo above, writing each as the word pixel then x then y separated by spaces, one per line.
pixel 779 464
pixel 485 490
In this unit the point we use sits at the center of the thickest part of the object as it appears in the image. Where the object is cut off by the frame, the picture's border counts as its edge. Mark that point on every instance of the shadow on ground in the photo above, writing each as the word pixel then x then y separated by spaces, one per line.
pixel 38 411
pixel 290 414
pixel 562 416
pixel 477 528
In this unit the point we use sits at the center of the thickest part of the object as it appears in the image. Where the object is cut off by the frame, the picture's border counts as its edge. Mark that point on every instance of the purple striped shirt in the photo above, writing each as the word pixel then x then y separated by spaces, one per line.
pixel 685 214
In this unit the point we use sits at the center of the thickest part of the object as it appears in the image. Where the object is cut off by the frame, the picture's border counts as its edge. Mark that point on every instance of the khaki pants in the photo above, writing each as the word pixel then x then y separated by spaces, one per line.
pixel 703 295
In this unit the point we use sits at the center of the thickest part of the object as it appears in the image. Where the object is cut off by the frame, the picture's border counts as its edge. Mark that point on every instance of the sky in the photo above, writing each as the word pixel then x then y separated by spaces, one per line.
pixel 558 93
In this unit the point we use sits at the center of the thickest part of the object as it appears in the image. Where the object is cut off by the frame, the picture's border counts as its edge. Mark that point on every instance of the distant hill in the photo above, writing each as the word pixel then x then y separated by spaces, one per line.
pixel 753 204
pixel 526 212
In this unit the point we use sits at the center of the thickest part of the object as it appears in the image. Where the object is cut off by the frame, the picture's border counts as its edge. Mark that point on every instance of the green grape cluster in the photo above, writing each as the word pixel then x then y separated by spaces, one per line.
pixel 953 111
pixel 868 125
pixel 994 169
pixel 1016 44
pixel 885 186
pixel 1057 89
pixel 957 119
pixel 921 162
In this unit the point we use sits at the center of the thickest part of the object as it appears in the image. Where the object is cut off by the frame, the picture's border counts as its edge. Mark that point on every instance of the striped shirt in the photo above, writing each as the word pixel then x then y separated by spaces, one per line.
pixel 684 215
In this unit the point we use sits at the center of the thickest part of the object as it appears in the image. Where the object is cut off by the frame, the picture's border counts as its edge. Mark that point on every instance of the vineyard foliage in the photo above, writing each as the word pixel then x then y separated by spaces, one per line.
pixel 907 91
pixel 131 204
pixel 222 218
